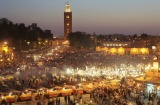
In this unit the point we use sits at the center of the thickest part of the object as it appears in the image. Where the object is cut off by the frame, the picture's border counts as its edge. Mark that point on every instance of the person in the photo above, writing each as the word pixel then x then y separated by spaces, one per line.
pixel 124 103
pixel 144 103
pixel 65 98
pixel 39 102
pixel 45 101
pixel 51 102
pixel 28 103
pixel 4 102
pixel 68 99
pixel 150 103
pixel 71 102
pixel 158 103
pixel 32 97
pixel 58 101
pixel 81 101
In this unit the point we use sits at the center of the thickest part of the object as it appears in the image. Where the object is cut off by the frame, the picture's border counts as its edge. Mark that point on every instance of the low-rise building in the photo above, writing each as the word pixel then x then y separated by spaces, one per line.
pixel 122 48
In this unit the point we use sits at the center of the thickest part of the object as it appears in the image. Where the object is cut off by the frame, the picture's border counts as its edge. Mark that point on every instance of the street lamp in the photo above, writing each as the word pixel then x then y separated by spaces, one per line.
pixel 28 43
pixel 5 43
pixel 154 49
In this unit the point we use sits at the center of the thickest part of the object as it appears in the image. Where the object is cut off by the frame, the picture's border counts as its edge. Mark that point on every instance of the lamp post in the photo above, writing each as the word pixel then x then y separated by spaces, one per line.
pixel 154 48
pixel 28 43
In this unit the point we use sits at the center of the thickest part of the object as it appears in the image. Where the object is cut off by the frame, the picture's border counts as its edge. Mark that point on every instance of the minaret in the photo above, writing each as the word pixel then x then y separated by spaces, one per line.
pixel 67 21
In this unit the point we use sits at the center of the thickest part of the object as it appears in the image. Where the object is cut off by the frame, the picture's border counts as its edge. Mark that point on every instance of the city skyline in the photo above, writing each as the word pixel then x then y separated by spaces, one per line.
pixel 101 17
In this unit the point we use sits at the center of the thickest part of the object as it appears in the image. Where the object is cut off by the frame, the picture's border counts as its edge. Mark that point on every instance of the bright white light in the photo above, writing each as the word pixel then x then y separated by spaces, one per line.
pixel 69 71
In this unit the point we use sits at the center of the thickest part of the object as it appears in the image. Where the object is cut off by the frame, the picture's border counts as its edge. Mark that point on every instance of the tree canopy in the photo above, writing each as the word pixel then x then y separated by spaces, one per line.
pixel 81 40
pixel 18 34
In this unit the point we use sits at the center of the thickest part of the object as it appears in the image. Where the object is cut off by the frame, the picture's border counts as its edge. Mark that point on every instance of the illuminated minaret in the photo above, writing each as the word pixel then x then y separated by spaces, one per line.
pixel 67 21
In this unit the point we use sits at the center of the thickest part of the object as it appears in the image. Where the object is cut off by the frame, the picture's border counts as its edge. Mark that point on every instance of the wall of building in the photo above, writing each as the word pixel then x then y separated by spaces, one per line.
pixel 122 50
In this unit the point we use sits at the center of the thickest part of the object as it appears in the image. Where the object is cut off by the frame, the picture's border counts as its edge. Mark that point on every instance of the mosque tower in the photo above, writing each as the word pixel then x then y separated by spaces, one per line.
pixel 67 21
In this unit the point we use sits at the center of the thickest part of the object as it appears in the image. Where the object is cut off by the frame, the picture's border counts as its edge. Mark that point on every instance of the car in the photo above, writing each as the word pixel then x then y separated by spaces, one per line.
pixel 43 91
pixel 28 94
pixel 66 91
pixel 54 92
pixel 25 96
pixel 78 89
pixel 10 97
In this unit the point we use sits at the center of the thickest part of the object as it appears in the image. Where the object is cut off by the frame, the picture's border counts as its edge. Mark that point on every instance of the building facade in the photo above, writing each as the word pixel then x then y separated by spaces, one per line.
pixel 67 21
pixel 122 48
pixel 123 51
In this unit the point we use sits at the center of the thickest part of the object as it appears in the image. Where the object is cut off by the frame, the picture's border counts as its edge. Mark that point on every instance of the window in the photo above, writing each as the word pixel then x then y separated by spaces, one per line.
pixel 67 17
pixel 67 30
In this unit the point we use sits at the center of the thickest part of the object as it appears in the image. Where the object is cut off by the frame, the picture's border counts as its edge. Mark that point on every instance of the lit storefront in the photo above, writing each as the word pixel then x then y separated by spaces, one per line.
pixel 6 53
pixel 122 50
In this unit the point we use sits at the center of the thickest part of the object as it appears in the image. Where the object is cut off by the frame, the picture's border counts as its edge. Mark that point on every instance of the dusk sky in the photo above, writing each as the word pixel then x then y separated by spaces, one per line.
pixel 99 16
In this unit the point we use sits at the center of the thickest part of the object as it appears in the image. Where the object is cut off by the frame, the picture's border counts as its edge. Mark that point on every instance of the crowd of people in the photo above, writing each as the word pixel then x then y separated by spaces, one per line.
pixel 69 67
pixel 72 67
pixel 124 94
